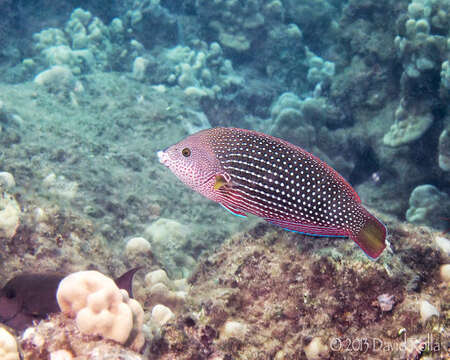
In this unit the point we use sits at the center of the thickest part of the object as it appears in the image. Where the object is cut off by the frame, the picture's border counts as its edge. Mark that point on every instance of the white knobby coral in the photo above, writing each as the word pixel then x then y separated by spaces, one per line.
pixel 9 215
pixel 58 78
pixel 444 150
pixel 139 66
pixel 427 310
pixel 200 73
pixel 234 329
pixel 316 350
pixel 428 206
pixel 138 251
pixel 161 315
pixel 61 355
pixel 157 276
pixel 445 273
pixel 8 346
pixel 101 308
pixel 410 124
pixel 7 180
pixel 168 238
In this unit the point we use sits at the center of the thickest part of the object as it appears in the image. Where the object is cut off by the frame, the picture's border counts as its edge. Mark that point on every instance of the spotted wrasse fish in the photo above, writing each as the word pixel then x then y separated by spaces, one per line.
pixel 250 172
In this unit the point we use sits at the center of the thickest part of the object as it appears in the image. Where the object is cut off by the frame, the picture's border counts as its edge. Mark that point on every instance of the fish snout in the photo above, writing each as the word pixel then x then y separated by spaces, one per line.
pixel 163 157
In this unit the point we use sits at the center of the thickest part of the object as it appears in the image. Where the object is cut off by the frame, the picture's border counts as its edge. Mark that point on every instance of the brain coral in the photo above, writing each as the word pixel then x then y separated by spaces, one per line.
pixel 8 346
pixel 101 308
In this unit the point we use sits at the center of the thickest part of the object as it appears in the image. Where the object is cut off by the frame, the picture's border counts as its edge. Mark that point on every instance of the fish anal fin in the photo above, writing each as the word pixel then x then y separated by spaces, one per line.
pixel 234 211
pixel 371 238
pixel 308 229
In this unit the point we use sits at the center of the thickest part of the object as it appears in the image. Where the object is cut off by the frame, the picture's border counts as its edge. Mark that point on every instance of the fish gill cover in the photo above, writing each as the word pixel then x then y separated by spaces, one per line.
pixel 90 91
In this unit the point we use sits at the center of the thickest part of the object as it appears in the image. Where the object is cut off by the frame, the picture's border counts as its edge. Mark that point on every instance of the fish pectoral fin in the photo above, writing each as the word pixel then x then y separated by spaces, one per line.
pixel 221 181
pixel 234 211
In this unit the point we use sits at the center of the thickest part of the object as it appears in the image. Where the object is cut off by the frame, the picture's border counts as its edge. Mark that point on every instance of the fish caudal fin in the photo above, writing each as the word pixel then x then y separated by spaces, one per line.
pixel 372 237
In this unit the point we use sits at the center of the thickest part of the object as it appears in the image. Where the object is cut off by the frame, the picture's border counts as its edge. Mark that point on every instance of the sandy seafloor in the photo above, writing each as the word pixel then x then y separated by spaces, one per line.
pixel 82 153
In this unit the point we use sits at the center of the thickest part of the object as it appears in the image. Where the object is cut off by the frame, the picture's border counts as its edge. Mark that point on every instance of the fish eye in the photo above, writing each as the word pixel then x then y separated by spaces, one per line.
pixel 186 152
pixel 10 294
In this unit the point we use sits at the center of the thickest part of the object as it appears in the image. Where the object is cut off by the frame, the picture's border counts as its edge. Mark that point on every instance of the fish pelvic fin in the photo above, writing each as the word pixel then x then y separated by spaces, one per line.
pixel 234 211
pixel 372 237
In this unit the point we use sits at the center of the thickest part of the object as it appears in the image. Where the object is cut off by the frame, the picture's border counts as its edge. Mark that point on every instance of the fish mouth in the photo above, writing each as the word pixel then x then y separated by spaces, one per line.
pixel 163 158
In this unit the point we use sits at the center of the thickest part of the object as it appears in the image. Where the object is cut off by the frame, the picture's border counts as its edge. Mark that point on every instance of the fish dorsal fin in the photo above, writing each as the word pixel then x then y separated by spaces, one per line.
pixel 125 281
pixel 234 211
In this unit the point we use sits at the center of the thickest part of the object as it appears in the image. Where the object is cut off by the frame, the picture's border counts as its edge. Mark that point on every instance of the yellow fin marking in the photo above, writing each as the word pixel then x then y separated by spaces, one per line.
pixel 220 182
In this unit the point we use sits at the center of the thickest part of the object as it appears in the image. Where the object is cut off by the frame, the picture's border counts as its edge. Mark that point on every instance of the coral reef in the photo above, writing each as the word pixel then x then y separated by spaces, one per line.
pixel 200 73
pixel 9 215
pixel 444 150
pixel 428 206
pixel 315 349
pixel 427 311
pixel 8 346
pixel 319 69
pixel 300 120
pixel 236 26
pixel 168 239
pixel 164 300
pixel 422 45
pixel 86 45
pixel 409 125
pixel 101 308
pixel 159 290
pixel 289 122
pixel 380 101
pixel 363 84
pixel 138 252
pixel 258 286
pixel 307 295
pixel 11 125
pixel 314 17
pixel 59 333
pixel 286 39
pixel 282 54
pixel 445 77
pixel 58 79
pixel 7 180
pixel 161 315
pixel 445 273
pixel 149 16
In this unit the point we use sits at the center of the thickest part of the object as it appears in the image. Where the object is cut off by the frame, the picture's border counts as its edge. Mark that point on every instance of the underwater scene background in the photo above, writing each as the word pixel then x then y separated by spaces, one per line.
pixel 91 90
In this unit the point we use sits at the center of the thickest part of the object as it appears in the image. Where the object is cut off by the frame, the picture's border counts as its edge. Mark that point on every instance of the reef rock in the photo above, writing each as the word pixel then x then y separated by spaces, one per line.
pixel 428 206
pixel 444 150
pixel 409 126
pixel 101 308
pixel 9 215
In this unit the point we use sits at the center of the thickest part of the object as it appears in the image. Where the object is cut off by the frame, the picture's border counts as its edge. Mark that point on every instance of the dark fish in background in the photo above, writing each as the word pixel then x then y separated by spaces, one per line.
pixel 250 172
pixel 28 297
